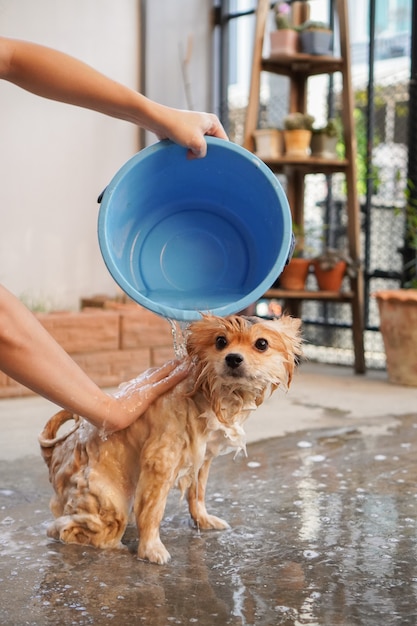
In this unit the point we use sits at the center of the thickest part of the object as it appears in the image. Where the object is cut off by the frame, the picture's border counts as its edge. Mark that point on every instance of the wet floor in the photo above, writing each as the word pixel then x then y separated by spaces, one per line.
pixel 323 532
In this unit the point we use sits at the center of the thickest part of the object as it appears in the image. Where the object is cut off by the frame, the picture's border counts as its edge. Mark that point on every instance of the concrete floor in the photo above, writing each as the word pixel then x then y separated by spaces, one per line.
pixel 323 517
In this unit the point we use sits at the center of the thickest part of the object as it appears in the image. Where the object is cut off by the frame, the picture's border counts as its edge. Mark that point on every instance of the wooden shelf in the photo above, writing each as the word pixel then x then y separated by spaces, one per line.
pixel 312 165
pixel 330 296
pixel 298 68
pixel 305 64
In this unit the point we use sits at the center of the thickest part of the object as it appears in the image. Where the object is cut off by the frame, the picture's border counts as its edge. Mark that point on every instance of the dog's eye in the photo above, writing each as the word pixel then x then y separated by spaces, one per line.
pixel 261 345
pixel 221 342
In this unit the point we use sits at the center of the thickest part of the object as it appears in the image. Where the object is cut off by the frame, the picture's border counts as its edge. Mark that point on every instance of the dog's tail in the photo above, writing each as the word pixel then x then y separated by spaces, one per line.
pixel 49 436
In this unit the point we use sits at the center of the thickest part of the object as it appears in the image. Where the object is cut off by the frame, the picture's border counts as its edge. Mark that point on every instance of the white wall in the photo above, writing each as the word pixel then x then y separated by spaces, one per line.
pixel 56 159
pixel 170 27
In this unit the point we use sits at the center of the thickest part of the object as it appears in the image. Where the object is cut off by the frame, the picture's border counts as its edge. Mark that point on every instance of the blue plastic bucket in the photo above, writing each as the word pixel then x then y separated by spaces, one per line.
pixel 182 237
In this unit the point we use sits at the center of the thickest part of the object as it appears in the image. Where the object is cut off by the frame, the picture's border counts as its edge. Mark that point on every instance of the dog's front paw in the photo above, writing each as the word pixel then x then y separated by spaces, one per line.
pixel 211 522
pixel 154 552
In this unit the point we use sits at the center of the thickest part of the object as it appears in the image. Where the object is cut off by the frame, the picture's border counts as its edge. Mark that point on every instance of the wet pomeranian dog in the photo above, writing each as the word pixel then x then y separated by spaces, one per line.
pixel 237 363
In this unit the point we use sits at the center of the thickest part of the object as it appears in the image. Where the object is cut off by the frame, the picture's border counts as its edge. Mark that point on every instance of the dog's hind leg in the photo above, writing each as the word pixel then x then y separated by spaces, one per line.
pixel 100 531
pixel 197 505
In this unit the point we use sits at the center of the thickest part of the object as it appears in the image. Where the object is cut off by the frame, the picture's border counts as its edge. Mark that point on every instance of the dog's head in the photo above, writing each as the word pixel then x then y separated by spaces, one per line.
pixel 245 353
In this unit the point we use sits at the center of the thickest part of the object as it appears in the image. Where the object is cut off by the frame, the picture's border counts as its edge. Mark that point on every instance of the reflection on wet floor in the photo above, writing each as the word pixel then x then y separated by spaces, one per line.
pixel 323 532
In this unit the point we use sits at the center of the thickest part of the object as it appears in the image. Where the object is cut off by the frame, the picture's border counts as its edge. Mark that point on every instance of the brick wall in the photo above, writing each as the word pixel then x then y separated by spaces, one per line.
pixel 111 342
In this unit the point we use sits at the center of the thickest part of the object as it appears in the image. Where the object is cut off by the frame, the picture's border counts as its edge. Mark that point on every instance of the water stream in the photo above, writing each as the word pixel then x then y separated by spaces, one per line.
pixel 179 336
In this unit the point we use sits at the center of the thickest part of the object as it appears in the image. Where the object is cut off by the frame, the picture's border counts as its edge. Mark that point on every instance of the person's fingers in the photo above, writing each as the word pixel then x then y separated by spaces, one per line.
pixel 150 392
pixel 166 376
pixel 219 132
pixel 198 151
pixel 198 148
pixel 156 374
pixel 149 376
pixel 178 373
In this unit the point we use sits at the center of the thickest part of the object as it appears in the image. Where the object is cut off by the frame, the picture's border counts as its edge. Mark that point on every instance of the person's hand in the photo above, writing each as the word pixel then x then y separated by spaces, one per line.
pixel 188 129
pixel 58 76
pixel 133 398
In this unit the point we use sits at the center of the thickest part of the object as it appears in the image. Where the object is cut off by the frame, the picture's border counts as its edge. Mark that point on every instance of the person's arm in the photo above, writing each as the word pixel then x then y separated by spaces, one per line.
pixel 29 355
pixel 58 76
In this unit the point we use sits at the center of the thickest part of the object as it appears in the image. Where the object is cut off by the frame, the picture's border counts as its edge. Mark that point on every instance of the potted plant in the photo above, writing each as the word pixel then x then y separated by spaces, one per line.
pixel 316 38
pixel 269 143
pixel 295 274
pixel 297 134
pixel 330 267
pixel 398 307
pixel 284 40
pixel 324 140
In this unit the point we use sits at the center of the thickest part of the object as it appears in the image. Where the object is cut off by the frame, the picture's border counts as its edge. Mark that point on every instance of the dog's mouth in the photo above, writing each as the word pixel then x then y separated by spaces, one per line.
pixel 235 373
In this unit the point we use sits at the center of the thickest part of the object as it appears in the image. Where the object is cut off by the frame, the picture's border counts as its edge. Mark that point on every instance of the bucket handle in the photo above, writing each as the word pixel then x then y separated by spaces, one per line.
pixel 100 198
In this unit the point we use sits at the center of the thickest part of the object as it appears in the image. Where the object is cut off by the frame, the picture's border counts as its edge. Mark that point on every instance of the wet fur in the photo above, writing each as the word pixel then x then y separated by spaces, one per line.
pixel 97 482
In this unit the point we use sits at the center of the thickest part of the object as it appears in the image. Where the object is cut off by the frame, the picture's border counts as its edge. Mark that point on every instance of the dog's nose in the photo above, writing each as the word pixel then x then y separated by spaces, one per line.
pixel 234 359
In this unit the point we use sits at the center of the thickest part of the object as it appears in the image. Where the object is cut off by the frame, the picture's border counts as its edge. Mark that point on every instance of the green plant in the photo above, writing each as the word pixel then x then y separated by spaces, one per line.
pixel 410 239
pixel 303 235
pixel 331 256
pixel 298 251
pixel 298 121
pixel 365 177
pixel 331 129
pixel 282 16
pixel 311 25
pixel 37 304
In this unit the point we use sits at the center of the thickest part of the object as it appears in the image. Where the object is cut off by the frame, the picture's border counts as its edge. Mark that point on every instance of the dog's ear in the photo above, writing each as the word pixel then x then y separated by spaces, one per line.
pixel 252 319
pixel 287 325
pixel 291 326
pixel 201 333
pixel 289 330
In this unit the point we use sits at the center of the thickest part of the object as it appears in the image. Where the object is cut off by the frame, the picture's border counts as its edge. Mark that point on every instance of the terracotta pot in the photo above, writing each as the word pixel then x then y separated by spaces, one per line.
pixel 295 274
pixel 269 143
pixel 297 143
pixel 284 41
pixel 398 326
pixel 330 280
